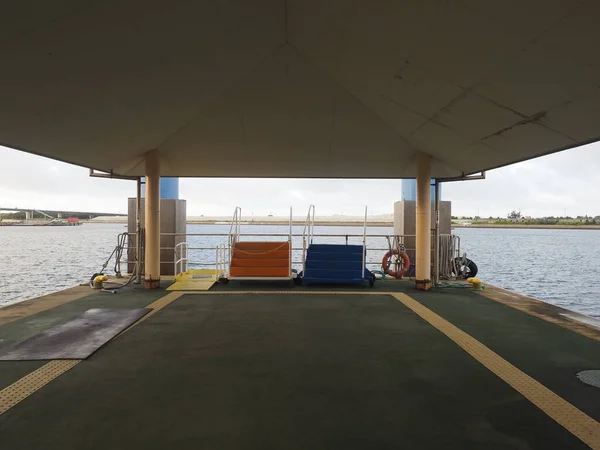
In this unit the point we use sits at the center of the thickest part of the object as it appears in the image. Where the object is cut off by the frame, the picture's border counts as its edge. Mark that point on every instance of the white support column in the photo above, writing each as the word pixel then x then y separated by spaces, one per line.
pixel 152 219
pixel 423 247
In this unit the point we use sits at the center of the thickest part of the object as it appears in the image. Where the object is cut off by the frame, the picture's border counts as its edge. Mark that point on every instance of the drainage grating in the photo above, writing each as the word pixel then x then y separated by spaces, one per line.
pixel 591 377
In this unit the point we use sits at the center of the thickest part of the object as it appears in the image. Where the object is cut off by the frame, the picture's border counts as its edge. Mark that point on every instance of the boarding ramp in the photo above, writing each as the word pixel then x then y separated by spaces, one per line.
pixel 188 279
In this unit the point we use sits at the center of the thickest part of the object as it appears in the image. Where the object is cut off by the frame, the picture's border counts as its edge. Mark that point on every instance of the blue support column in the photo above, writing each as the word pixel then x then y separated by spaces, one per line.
pixel 169 188
pixel 409 190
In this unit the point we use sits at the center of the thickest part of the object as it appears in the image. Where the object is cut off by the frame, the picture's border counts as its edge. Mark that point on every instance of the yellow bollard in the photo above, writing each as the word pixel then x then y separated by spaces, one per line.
pixel 476 283
pixel 97 283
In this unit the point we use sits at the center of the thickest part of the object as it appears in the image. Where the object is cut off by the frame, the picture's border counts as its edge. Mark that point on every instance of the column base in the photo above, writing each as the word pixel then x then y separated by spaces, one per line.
pixel 423 285
pixel 153 283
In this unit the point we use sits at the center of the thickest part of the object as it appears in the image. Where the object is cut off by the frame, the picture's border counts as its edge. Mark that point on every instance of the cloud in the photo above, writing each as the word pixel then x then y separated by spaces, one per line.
pixel 544 186
pixel 29 181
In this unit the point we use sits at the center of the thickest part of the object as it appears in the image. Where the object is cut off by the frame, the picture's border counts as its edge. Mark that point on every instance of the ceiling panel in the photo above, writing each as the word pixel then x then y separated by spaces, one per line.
pixel 275 88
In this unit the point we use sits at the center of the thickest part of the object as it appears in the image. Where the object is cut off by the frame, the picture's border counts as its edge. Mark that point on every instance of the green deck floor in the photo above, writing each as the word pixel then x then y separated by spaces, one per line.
pixel 549 353
pixel 19 330
pixel 297 371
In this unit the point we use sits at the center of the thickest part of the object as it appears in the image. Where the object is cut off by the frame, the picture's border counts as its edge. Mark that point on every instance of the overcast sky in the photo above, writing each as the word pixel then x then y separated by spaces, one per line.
pixel 566 181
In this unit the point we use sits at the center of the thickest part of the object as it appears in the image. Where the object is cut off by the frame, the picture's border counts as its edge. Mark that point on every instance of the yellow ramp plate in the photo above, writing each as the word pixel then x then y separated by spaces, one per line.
pixel 194 280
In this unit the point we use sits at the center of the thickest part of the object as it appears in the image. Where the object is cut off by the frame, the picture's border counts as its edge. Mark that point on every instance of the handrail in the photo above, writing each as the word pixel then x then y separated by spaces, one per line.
pixel 234 229
pixel 290 249
pixel 194 253
pixel 307 232
pixel 181 258
pixel 364 250
pixel 221 264
pixel 284 234
pixel 309 223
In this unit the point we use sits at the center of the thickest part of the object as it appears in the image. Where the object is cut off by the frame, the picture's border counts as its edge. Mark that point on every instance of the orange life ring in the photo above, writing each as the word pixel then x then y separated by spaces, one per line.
pixel 385 263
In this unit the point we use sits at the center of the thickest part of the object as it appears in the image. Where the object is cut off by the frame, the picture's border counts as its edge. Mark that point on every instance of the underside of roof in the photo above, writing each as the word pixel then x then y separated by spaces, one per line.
pixel 298 88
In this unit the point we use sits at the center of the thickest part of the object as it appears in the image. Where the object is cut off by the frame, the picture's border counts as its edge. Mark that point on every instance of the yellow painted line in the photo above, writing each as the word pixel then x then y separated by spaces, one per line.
pixel 163 302
pixel 24 387
pixel 191 285
pixel 156 306
pixel 574 420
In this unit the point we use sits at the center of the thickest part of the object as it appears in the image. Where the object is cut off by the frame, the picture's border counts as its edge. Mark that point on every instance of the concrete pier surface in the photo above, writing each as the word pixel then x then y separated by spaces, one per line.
pixel 272 366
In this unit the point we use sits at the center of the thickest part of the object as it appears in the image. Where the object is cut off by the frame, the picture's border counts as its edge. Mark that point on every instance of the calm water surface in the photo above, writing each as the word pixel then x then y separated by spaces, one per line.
pixel 558 266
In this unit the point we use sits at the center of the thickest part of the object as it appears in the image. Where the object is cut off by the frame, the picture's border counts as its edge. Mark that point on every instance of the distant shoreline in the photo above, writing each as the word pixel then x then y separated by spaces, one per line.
pixel 269 222
pixel 353 224
pixel 533 226
pixel 294 223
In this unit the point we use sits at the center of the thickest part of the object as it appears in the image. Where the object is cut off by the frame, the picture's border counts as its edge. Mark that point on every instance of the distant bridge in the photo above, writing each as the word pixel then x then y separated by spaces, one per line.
pixel 32 213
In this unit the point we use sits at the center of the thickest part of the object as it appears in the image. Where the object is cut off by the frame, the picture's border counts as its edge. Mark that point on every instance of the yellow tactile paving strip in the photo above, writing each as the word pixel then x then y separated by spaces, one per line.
pixel 156 306
pixel 30 383
pixel 574 420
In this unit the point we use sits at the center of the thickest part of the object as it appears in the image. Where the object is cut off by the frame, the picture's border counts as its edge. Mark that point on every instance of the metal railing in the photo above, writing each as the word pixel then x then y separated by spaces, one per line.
pixel 290 273
pixel 364 249
pixel 187 255
pixel 307 234
pixel 181 252
pixel 234 229
pixel 316 236
pixel 234 237
pixel 221 261
pixel 124 244
pixel 203 255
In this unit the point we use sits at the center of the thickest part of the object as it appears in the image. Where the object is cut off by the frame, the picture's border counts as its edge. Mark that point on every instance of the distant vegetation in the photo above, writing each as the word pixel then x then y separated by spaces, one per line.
pixel 13 216
pixel 515 217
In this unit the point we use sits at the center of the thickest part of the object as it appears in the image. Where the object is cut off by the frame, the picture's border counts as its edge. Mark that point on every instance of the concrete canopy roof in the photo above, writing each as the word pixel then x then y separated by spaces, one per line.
pixel 298 88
